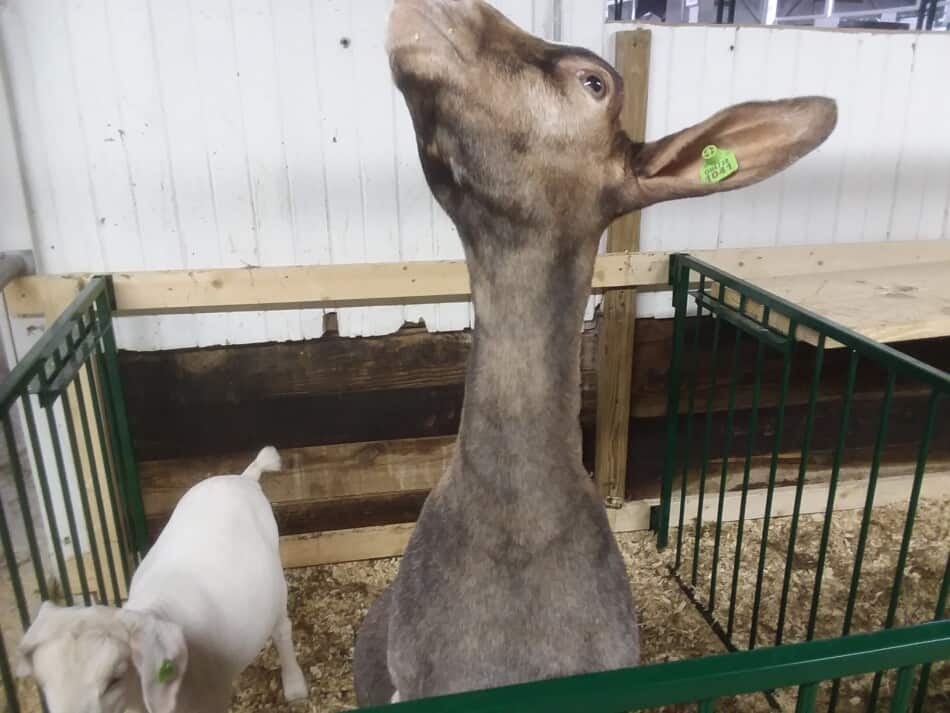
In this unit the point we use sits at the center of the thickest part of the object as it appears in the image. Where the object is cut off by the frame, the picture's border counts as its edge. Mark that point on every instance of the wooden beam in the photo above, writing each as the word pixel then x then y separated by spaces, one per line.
pixel 329 286
pixel 893 304
pixel 390 541
pixel 366 543
pixel 619 309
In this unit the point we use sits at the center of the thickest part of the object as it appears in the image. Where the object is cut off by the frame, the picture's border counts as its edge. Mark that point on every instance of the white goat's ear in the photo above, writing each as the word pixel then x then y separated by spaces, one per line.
pixel 737 147
pixel 44 627
pixel 160 656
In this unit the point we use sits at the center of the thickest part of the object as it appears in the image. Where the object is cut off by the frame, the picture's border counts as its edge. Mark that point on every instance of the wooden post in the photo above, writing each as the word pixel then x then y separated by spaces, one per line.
pixel 619 310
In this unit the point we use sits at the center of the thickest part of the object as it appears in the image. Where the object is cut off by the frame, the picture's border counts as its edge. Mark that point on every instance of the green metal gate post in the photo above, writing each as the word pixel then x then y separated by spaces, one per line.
pixel 679 278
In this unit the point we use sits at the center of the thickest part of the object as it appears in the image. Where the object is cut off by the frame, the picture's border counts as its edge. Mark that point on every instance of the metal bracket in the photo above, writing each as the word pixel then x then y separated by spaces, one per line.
pixel 612 502
pixel 14 264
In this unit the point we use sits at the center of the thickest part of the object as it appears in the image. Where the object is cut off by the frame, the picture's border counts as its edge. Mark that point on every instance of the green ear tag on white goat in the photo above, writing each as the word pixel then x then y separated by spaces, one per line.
pixel 718 165
pixel 166 672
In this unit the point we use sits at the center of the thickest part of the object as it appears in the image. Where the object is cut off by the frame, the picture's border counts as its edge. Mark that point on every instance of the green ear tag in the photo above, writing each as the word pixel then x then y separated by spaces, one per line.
pixel 718 165
pixel 166 672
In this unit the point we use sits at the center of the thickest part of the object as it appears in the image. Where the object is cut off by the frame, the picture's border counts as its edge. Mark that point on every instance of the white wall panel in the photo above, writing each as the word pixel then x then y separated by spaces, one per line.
pixel 881 176
pixel 205 133
pixel 15 232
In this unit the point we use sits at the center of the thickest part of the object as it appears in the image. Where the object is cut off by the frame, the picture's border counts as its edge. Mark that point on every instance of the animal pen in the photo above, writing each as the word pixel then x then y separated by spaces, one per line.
pixel 788 467
pixel 68 383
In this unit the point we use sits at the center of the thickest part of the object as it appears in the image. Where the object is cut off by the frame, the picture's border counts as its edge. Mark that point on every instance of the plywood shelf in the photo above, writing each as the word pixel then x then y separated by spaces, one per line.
pixel 887 304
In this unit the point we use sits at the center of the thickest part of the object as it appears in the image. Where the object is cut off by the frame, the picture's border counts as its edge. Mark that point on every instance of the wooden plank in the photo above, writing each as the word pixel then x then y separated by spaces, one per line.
pixel 270 288
pixel 615 369
pixel 391 540
pixel 893 304
pixel 314 474
pixel 345 546
pixel 321 392
pixel 904 430
pixel 851 495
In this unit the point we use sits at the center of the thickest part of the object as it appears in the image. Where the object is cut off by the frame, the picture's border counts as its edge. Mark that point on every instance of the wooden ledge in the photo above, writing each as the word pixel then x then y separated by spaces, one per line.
pixel 331 286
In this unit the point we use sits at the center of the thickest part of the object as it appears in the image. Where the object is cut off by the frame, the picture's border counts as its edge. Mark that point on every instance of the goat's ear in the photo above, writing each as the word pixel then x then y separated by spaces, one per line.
pixel 160 656
pixel 764 138
pixel 44 627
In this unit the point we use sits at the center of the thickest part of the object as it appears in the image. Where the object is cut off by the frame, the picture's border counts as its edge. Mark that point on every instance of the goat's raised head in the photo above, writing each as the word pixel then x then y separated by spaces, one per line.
pixel 517 132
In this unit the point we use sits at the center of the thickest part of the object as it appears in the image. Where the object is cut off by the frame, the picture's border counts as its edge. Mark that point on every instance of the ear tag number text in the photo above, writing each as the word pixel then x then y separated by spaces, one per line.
pixel 718 165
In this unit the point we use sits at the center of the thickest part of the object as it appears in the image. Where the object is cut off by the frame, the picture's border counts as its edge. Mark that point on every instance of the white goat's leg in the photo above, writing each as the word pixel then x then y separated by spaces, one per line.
pixel 395 698
pixel 295 685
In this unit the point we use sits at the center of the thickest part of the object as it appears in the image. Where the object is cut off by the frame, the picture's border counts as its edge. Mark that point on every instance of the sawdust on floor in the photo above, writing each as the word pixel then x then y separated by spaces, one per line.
pixel 328 603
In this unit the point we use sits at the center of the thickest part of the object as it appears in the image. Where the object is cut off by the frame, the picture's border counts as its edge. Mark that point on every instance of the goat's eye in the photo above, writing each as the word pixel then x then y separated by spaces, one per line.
pixel 594 84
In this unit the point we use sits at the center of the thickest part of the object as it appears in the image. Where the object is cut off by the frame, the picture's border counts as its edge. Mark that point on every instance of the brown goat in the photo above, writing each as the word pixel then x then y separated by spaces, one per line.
pixel 512 573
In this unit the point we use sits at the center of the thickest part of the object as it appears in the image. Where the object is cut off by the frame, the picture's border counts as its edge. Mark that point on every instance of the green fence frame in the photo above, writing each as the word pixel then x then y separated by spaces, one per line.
pixel 80 343
pixel 703 681
pixel 712 286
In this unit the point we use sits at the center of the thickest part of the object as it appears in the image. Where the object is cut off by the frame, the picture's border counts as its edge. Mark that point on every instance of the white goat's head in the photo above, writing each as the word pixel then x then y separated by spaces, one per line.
pixel 103 660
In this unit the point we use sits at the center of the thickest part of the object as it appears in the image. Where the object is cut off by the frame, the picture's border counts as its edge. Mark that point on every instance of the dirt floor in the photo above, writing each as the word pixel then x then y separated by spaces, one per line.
pixel 328 603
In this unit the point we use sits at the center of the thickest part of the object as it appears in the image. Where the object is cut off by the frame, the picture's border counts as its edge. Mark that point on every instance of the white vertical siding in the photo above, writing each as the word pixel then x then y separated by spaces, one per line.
pixel 881 176
pixel 206 133
pixel 15 224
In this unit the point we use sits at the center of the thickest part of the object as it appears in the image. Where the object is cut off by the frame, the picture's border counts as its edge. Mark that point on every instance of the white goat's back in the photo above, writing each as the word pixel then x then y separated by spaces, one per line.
pixel 219 553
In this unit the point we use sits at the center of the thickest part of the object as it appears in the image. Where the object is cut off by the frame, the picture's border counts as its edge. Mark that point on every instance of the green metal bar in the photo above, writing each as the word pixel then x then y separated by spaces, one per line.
pixel 743 502
pixel 115 485
pixel 938 615
pixel 68 503
pixel 708 706
pixel 800 487
pixel 9 682
pixel 726 450
pixel 832 491
pixel 869 503
pixel 887 356
pixel 97 488
pixel 806 698
pixel 707 436
pixel 680 282
pixel 691 408
pixel 83 496
pixel 866 520
pixel 770 492
pixel 105 431
pixel 24 499
pixel 685 682
pixel 905 684
pixel 128 470
pixel 34 363
pixel 41 478
pixel 908 529
pixel 10 555
pixel 745 323
pixel 912 508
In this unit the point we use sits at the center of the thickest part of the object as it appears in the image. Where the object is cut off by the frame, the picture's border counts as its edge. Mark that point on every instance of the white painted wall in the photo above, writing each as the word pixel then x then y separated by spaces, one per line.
pixel 208 133
pixel 884 174
pixel 14 221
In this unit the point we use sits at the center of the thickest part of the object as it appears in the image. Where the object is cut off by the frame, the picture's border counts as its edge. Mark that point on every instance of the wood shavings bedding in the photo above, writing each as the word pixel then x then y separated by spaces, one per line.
pixel 328 603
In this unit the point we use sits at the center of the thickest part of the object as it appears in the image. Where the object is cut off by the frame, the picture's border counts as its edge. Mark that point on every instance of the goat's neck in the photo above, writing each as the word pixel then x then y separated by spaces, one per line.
pixel 520 421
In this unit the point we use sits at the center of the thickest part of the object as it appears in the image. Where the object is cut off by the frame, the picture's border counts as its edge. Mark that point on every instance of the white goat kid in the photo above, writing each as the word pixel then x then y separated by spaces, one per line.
pixel 202 605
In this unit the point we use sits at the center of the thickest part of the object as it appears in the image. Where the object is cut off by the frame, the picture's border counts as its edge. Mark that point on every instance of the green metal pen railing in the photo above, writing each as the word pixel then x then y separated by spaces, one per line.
pixel 79 514
pixel 701 683
pixel 736 311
